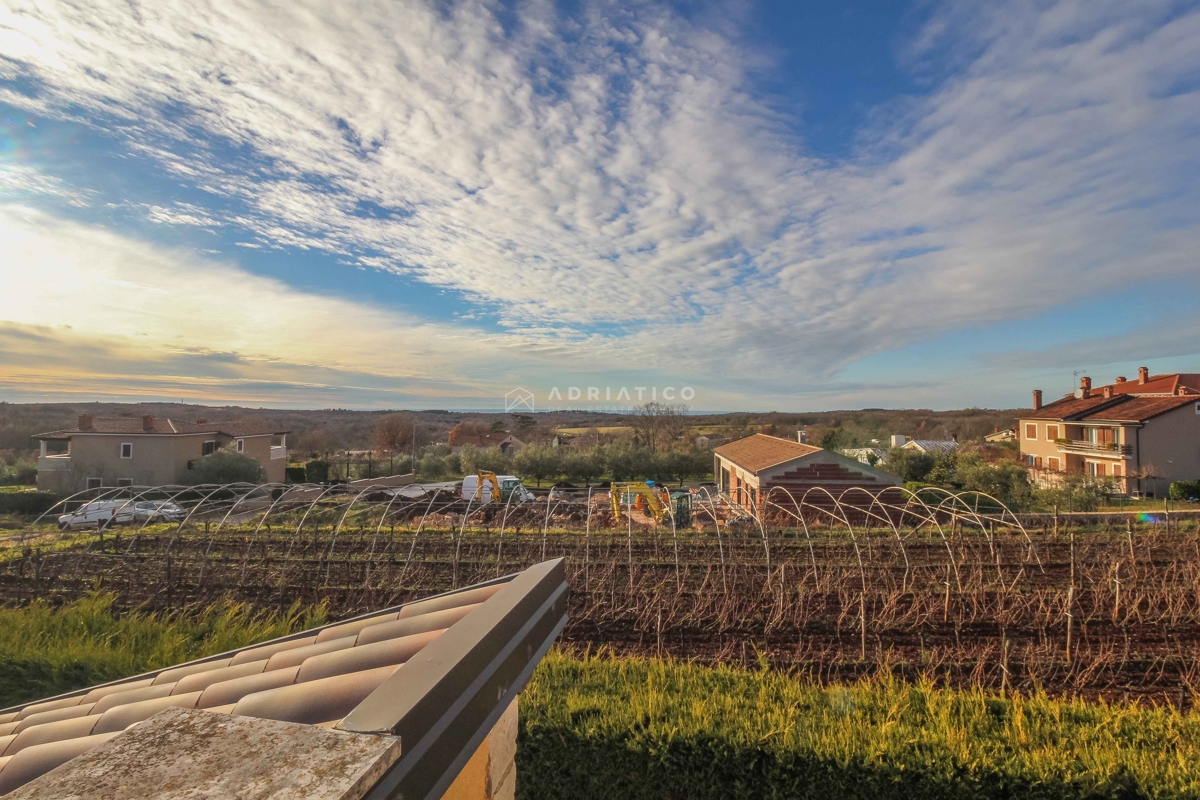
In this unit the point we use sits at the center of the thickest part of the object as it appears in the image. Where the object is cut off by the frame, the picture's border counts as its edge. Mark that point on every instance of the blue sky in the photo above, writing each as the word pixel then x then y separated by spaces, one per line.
pixel 777 205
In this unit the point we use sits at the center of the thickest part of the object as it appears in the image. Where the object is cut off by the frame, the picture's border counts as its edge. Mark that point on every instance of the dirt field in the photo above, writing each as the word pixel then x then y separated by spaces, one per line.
pixel 1109 610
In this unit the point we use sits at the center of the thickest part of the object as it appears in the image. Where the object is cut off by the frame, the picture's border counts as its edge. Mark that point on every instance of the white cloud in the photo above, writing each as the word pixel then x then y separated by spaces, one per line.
pixel 619 169
pixel 83 308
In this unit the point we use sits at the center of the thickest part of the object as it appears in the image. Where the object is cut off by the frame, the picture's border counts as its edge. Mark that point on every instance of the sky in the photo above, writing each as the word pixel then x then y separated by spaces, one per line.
pixel 736 205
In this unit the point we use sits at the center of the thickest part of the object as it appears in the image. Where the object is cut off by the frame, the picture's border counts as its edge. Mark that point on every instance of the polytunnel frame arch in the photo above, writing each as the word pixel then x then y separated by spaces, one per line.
pixel 928 508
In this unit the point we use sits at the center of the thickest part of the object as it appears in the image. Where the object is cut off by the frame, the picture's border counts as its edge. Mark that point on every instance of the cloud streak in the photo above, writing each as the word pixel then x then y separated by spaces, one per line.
pixel 610 184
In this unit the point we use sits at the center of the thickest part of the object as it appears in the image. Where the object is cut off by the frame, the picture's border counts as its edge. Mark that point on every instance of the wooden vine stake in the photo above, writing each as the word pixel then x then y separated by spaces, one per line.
pixel 1071 597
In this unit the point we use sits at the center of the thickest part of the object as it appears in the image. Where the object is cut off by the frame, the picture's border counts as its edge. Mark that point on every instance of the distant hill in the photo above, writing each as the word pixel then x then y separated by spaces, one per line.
pixel 352 429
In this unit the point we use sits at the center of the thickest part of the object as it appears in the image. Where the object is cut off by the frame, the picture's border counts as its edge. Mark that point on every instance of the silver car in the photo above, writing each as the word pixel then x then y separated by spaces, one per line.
pixel 158 511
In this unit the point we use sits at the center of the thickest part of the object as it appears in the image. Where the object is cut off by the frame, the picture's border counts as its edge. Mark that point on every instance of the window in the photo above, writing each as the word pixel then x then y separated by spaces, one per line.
pixel 1096 469
pixel 126 449
pixel 124 481
pixel 241 445
pixel 1053 464
pixel 1037 462
pixel 1031 431
pixel 1118 470
pixel 94 483
pixel 208 448
pixel 1051 432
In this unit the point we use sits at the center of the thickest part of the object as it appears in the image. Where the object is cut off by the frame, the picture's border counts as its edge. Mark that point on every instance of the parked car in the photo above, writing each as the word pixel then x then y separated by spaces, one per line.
pixel 510 487
pixel 98 514
pixel 158 511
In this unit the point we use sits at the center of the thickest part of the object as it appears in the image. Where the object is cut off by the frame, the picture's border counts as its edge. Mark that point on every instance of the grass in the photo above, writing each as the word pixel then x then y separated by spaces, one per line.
pixel 601 727
pixel 46 651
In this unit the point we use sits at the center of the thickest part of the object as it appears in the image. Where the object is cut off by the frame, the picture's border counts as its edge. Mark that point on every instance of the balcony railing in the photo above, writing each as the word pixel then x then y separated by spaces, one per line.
pixel 278 451
pixel 56 463
pixel 1094 448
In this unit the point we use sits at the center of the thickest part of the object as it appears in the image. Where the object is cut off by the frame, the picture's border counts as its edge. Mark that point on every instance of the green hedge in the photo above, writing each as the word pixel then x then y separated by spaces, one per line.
pixel 1185 490
pixel 598 728
pixel 27 503
pixel 317 471
pixel 295 474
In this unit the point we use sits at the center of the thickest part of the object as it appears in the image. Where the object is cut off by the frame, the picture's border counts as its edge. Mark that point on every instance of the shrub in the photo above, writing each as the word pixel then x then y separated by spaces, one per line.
pixel 1185 490
pixel 538 461
pixel 1006 481
pixel 438 463
pixel 911 465
pixel 472 459
pixel 1076 492
pixel 27 503
pixel 316 471
pixel 224 466
pixel 295 474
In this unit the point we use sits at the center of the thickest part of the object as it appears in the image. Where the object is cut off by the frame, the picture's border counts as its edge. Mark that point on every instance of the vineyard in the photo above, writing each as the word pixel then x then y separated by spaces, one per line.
pixel 936 585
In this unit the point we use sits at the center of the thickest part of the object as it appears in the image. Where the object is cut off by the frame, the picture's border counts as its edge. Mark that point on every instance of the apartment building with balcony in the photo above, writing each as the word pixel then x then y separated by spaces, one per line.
pixel 1140 436
pixel 145 451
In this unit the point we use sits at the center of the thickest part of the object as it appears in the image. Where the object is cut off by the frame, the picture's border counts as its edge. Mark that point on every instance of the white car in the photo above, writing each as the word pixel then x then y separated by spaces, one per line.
pixel 510 487
pixel 98 514
pixel 158 511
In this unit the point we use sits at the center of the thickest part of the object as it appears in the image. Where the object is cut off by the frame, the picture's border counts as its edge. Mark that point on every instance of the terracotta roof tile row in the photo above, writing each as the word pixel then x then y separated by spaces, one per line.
pixel 1157 384
pixel 1120 408
pixel 760 451
pixel 315 680
pixel 167 427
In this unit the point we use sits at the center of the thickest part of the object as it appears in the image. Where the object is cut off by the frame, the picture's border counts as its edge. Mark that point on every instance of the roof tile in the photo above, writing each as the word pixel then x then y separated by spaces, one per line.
pixel 170 427
pixel 760 451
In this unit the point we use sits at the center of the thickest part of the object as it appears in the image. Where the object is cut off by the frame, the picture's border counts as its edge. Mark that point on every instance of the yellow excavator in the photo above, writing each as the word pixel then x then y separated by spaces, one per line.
pixel 505 488
pixel 488 477
pixel 649 498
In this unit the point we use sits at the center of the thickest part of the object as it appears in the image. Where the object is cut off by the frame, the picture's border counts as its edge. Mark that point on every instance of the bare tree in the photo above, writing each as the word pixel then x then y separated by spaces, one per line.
pixel 659 424
pixel 464 431
pixel 394 433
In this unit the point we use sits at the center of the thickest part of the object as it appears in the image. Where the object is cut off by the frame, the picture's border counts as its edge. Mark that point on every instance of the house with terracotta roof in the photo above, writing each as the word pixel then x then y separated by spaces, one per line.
pixel 748 469
pixel 147 451
pixel 1141 436
pixel 507 443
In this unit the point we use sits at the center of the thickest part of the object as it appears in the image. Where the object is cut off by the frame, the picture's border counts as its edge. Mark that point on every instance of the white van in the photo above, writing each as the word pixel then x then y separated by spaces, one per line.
pixel 98 513
pixel 508 485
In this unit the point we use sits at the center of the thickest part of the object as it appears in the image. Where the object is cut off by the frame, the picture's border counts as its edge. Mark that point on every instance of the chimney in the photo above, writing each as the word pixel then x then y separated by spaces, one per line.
pixel 1108 393
pixel 1037 399
pixel 899 440
pixel 148 422
pixel 1181 391
pixel 85 422
pixel 1120 379
pixel 802 437
pixel 1085 384
pixel 1143 374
